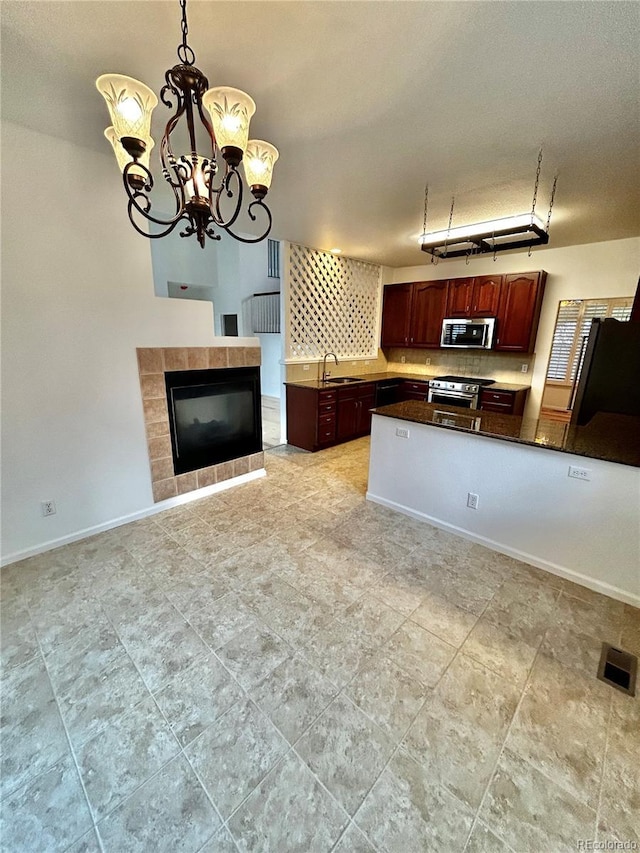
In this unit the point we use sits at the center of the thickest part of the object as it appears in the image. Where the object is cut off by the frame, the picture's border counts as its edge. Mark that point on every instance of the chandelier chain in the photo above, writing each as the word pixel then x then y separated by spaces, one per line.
pixel 185 52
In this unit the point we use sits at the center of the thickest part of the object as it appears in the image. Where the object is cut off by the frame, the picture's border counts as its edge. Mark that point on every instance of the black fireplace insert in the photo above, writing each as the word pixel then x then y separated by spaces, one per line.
pixel 214 415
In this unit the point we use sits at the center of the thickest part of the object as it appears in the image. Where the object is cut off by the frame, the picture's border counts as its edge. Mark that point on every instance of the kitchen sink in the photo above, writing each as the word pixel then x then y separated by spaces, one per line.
pixel 343 380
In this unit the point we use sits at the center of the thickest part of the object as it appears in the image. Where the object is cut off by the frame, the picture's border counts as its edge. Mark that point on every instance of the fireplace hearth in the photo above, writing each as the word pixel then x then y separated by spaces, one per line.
pixel 214 416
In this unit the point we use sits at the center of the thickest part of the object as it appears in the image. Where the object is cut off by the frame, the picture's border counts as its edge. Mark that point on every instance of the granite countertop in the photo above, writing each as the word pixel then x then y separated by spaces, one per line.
pixel 612 437
pixel 378 377
pixel 362 377
pixel 506 386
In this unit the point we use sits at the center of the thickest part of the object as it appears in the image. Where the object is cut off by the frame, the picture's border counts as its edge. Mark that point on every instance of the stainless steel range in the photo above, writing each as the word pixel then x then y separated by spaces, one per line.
pixel 460 391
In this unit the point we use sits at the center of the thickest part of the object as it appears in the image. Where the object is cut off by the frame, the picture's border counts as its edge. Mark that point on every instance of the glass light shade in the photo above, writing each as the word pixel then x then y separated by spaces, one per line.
pixel 258 162
pixel 522 220
pixel 231 112
pixel 196 186
pixel 123 157
pixel 130 105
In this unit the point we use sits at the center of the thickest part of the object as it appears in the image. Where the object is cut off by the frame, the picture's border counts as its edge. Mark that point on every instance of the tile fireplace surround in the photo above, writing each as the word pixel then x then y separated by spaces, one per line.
pixel 153 363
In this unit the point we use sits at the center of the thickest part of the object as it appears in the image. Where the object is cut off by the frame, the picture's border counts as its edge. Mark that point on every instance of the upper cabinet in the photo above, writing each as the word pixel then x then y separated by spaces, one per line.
pixel 396 315
pixel 412 313
pixel 474 297
pixel 427 313
pixel 519 311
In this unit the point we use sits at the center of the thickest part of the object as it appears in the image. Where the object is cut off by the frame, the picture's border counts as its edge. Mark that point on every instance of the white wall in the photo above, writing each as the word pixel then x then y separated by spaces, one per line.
pixel 576 272
pixel 528 507
pixel 271 371
pixel 77 299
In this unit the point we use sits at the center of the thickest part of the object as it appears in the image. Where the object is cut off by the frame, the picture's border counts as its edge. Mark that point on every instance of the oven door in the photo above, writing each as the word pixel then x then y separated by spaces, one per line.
pixel 453 398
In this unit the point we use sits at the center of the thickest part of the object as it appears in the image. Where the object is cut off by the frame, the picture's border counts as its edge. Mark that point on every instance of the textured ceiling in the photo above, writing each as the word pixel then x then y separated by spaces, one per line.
pixel 366 101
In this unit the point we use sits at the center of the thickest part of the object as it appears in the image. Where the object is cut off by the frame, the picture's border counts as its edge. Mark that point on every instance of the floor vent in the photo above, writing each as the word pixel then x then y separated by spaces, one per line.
pixel 618 668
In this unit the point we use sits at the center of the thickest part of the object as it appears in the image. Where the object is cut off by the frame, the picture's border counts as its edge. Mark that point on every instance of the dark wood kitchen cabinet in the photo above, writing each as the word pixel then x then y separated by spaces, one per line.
pixel 473 297
pixel 412 314
pixel 396 315
pixel 503 401
pixel 413 390
pixel 354 416
pixel 427 313
pixel 519 311
pixel 311 417
pixel 319 418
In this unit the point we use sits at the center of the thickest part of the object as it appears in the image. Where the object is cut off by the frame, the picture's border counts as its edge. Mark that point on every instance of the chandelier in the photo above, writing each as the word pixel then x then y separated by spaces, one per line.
pixel 191 172
pixel 510 232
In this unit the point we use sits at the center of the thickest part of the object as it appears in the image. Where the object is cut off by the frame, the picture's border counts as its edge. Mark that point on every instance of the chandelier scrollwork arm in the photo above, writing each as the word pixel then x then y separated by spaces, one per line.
pixel 259 203
pixel 137 188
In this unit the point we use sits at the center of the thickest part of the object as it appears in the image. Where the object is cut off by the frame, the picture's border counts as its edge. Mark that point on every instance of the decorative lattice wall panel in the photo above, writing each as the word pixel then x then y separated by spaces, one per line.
pixel 332 304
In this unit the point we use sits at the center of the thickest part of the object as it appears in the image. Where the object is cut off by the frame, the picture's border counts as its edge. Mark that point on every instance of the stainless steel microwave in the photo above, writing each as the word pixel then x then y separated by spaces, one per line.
pixel 468 334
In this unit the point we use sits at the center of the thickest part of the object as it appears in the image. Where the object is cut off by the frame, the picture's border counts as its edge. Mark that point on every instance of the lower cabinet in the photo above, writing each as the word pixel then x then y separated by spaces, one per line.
pixel 320 418
pixel 354 417
pixel 413 390
pixel 505 402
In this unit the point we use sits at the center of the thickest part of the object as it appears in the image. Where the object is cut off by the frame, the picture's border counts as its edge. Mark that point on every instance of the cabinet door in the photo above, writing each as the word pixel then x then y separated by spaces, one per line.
pixel 486 296
pixel 429 302
pixel 459 297
pixel 347 425
pixel 396 311
pixel 519 311
pixel 367 402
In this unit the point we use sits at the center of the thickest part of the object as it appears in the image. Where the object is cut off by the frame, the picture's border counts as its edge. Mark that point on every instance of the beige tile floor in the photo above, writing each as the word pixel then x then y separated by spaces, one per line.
pixel 285 667
pixel 270 422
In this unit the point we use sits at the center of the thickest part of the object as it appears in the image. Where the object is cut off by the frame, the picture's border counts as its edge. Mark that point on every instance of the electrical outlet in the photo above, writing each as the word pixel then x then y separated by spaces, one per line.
pixel 402 432
pixel 525 368
pixel 305 367
pixel 472 500
pixel 427 361
pixel 579 473
pixel 48 508
pixel 402 359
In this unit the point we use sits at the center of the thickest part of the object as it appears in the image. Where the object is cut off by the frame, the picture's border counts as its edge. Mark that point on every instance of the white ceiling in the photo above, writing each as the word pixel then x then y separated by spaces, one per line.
pixel 367 101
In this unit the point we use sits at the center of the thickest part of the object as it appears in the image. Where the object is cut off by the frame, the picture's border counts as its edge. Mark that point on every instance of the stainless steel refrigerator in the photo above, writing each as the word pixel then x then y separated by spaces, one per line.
pixel 610 376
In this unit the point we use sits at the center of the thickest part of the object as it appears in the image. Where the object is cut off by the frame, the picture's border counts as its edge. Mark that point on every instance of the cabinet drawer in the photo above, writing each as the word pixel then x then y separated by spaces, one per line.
pixel 326 408
pixel 326 433
pixel 504 397
pixel 422 387
pixel 414 395
pixel 326 420
pixel 327 396
pixel 503 408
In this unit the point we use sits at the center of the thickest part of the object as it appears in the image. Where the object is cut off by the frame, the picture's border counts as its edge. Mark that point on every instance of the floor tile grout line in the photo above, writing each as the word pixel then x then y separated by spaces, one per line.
pixel 165 764
pixel 605 757
pixel 499 756
pixel 73 757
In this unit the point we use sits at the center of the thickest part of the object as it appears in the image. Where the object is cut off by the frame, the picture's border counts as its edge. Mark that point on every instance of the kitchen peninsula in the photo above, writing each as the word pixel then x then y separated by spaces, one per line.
pixel 562 498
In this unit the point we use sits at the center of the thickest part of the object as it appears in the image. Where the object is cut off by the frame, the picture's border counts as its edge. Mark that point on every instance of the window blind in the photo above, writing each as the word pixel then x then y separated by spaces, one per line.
pixel 572 328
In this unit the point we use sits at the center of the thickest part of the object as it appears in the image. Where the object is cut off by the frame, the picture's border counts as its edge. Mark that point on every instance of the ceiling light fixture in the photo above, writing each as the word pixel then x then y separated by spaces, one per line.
pixel 496 235
pixel 198 203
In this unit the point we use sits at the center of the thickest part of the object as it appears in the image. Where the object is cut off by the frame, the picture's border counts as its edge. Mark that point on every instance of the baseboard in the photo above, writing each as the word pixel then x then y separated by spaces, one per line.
pixel 198 494
pixel 531 559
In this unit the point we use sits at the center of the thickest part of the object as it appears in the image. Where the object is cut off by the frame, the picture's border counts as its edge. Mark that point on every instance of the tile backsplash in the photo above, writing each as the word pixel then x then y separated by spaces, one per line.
pixel 502 367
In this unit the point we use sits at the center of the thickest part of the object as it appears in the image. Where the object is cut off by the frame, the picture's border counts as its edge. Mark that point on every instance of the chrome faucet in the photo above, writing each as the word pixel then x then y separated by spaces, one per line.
pixel 326 375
